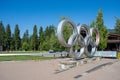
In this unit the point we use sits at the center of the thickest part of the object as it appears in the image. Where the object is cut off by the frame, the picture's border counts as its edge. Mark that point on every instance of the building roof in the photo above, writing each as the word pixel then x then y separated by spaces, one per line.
pixel 114 35
pixel 114 38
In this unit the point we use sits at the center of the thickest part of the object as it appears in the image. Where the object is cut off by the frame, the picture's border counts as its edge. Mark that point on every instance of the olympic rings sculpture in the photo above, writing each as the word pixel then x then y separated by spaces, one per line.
pixel 87 45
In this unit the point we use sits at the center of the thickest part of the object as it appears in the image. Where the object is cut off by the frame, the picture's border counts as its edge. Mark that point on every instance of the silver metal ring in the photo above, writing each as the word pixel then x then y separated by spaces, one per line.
pixel 97 35
pixel 90 46
pixel 85 45
pixel 77 53
pixel 60 33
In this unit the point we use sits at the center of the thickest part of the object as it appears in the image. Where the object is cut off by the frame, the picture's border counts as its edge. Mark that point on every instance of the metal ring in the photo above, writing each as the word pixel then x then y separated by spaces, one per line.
pixel 86 45
pixel 77 53
pixel 80 41
pixel 60 33
pixel 90 46
pixel 97 35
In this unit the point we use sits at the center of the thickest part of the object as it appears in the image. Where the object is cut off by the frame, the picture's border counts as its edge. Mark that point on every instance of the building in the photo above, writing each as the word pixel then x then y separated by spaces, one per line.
pixel 113 43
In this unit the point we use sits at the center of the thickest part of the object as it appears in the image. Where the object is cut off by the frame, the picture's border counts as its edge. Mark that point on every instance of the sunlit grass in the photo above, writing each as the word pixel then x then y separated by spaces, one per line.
pixel 19 52
pixel 21 58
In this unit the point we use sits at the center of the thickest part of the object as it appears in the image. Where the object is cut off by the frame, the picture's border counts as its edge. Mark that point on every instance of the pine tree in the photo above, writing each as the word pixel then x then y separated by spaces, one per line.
pixel 25 41
pixel 34 40
pixel 41 37
pixel 92 24
pixel 2 36
pixel 53 42
pixel 117 26
pixel 31 43
pixel 45 44
pixel 8 37
pixel 17 38
pixel 53 38
pixel 102 30
pixel 12 47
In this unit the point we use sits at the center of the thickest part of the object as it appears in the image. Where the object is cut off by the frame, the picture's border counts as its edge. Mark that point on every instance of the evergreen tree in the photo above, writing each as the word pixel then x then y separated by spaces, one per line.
pixel 17 38
pixel 50 30
pixel 102 30
pixel 34 40
pixel 2 35
pixel 31 41
pixel 12 47
pixel 54 43
pixel 41 37
pixel 8 37
pixel 117 26
pixel 53 38
pixel 92 24
pixel 25 41
pixel 45 44
pixel 26 36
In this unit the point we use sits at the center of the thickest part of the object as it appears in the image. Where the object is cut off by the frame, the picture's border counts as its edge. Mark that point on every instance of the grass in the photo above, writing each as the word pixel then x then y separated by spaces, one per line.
pixel 18 52
pixel 21 58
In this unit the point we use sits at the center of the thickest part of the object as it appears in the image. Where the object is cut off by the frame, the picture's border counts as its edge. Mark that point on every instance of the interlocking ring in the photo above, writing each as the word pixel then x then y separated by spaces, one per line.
pixel 87 44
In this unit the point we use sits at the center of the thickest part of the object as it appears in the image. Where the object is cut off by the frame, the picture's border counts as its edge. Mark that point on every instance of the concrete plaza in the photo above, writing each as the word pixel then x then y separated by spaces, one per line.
pixel 46 70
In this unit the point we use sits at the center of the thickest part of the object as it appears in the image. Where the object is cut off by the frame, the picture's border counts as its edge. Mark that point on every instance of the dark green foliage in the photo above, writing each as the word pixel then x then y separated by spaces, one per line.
pixel 17 40
pixel 2 35
pixel 48 33
pixel 41 38
pixel 117 26
pixel 25 41
pixel 8 37
pixel 12 44
pixel 34 39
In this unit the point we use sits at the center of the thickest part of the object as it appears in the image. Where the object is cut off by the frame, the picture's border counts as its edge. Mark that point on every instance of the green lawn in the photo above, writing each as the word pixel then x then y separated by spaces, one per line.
pixel 18 52
pixel 20 58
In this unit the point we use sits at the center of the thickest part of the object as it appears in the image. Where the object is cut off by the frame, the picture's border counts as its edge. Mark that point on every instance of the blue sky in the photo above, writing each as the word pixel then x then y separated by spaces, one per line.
pixel 27 13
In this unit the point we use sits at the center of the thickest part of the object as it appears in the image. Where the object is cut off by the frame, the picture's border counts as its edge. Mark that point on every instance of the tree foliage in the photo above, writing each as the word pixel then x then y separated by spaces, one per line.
pixel 117 26
pixel 102 30
pixel 93 24
pixel 17 39
pixel 12 47
pixel 48 33
pixel 25 41
pixel 8 37
pixel 46 39
pixel 2 35
pixel 41 37
pixel 34 39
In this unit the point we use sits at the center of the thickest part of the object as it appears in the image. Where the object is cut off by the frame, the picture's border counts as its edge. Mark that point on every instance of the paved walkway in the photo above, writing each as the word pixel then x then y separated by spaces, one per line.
pixel 106 69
